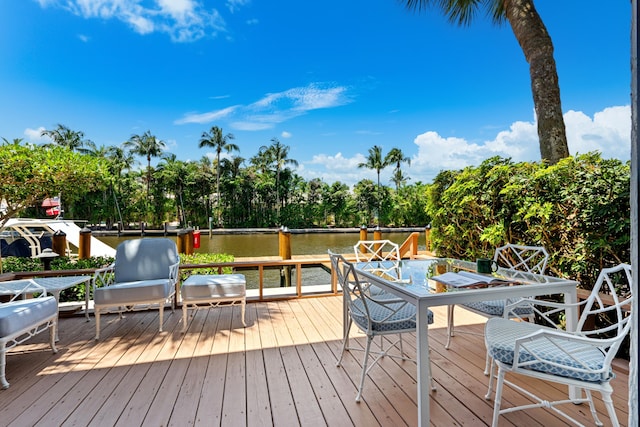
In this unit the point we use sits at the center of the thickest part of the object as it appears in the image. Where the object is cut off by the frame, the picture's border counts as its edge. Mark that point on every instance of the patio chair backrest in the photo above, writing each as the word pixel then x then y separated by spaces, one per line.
pixel 376 250
pixel 145 259
pixel 530 259
pixel 617 283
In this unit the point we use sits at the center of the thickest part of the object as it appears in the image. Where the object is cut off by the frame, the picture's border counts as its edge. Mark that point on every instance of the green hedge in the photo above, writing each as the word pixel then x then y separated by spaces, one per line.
pixel 577 209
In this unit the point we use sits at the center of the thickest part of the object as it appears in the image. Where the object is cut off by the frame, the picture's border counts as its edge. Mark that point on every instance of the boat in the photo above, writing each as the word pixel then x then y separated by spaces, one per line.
pixel 28 237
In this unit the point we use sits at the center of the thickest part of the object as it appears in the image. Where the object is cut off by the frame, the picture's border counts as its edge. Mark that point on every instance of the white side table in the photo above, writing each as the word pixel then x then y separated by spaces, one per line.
pixel 212 289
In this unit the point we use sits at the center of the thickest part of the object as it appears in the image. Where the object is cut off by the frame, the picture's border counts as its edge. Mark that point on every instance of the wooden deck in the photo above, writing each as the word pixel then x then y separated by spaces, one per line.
pixel 280 371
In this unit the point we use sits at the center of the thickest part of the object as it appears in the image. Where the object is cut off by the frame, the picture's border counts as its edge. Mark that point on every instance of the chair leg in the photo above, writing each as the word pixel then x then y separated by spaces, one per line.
pixel 161 315
pixel 185 316
pixel 498 400
pixel 345 341
pixel 53 336
pixel 449 325
pixel 606 398
pixel 96 314
pixel 364 367
pixel 491 378
pixel 488 364
pixel 3 364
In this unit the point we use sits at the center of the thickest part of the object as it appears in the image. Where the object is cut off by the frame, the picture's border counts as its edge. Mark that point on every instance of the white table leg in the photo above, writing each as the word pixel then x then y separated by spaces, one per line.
pixel 572 322
pixel 422 334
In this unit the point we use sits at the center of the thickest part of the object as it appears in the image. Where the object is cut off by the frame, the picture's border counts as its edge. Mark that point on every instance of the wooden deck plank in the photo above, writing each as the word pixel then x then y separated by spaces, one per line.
pixel 212 393
pixel 280 370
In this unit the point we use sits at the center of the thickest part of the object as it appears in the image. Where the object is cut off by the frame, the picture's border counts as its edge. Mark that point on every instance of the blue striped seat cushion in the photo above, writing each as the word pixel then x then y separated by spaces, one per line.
pixel 404 319
pixel 496 308
pixel 500 336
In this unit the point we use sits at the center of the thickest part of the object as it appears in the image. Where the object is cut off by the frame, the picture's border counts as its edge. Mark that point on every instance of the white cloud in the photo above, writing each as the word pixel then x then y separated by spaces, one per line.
pixel 286 134
pixel 609 132
pixel 205 117
pixel 182 20
pixel 276 108
pixel 35 135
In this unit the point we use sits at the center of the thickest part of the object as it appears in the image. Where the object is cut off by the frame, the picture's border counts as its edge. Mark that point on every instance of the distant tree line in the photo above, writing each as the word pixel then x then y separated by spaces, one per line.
pixel 263 191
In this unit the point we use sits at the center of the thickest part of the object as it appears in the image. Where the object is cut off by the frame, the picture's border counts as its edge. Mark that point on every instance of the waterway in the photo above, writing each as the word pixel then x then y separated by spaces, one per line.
pixel 261 244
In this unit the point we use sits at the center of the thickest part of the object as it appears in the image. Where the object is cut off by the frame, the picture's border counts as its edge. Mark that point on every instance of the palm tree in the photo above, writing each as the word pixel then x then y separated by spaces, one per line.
pixel 375 161
pixel 397 157
pixel 214 139
pixel 149 146
pixel 278 156
pixel 65 137
pixel 535 42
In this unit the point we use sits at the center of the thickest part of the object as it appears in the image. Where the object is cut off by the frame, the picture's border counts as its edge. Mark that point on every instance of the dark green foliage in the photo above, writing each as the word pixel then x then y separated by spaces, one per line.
pixel 578 209
pixel 204 259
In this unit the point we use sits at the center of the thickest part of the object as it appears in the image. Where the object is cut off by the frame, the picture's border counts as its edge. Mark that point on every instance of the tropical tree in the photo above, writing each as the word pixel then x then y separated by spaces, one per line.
pixel 65 137
pixel 396 157
pixel 30 173
pixel 376 162
pixel 278 156
pixel 216 140
pixel 536 44
pixel 149 146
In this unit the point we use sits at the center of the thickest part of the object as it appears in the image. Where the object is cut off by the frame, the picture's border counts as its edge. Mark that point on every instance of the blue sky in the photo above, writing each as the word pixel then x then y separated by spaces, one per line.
pixel 329 79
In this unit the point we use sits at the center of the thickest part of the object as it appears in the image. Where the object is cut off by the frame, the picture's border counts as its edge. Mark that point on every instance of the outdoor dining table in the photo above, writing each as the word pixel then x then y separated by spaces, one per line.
pixel 410 281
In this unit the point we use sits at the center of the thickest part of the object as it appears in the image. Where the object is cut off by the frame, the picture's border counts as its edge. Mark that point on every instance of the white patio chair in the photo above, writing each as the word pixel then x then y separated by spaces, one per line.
pixel 373 316
pixel 527 259
pixel 145 272
pixel 580 358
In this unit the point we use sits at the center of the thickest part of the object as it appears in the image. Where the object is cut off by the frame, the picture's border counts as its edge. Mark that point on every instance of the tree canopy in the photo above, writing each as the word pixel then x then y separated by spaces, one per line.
pixel 31 173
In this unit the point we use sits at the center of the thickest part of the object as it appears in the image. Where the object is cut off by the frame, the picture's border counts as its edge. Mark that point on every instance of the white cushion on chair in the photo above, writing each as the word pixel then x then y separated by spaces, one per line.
pixel 130 293
pixel 21 314
pixel 501 334
pixel 496 308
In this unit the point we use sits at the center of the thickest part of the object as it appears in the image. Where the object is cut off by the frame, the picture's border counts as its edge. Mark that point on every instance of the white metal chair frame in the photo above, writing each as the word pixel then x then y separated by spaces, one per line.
pixel 373 315
pixel 381 256
pixel 528 259
pixel 580 358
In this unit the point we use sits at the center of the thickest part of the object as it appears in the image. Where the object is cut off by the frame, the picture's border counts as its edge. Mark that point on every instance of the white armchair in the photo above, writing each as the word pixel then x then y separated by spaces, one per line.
pixel 580 359
pixel 145 272
pixel 21 319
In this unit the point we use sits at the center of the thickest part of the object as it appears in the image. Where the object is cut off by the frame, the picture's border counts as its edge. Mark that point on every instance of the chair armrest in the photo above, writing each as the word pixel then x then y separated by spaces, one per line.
pixel 103 277
pixel 564 350
pixel 547 310
pixel 173 272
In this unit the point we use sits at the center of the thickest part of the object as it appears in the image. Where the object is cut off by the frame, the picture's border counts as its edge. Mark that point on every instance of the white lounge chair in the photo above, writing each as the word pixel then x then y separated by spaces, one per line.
pixel 145 272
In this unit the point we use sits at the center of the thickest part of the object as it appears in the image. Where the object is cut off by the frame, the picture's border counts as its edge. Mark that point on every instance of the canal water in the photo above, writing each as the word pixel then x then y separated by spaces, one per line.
pixel 261 244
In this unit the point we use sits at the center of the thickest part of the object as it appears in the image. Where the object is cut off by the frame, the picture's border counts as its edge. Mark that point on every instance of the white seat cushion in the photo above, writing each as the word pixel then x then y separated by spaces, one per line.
pixel 129 293
pixel 200 286
pixel 500 337
pixel 21 314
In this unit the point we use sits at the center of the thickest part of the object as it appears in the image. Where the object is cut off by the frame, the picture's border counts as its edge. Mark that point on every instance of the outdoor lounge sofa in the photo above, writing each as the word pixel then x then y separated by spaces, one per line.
pixel 145 272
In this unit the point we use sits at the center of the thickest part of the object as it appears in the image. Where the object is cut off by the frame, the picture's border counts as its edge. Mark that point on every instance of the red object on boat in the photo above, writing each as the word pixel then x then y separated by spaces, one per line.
pixel 196 239
pixel 51 202
pixel 53 211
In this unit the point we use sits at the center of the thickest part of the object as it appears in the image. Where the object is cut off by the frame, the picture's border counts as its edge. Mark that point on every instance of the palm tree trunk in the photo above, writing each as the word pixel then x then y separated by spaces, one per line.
pixel 536 44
